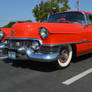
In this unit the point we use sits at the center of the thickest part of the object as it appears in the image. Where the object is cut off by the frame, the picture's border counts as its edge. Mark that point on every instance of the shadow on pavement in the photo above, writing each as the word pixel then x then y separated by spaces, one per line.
pixel 33 65
pixel 43 66
pixel 82 58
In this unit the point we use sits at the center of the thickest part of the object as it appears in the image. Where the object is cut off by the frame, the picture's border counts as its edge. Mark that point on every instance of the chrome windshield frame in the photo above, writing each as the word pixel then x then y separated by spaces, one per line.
pixel 85 18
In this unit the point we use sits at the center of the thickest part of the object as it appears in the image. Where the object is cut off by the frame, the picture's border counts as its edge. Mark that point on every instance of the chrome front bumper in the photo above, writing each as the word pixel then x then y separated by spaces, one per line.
pixel 31 54
pixel 42 57
pixel 2 48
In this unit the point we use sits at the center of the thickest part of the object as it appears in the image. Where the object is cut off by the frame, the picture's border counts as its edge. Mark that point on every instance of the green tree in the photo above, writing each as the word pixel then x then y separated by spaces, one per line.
pixel 9 25
pixel 42 10
pixel 28 20
pixel 65 5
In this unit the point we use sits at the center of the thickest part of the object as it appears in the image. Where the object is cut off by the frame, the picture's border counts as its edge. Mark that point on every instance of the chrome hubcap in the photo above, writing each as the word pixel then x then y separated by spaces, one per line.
pixel 64 54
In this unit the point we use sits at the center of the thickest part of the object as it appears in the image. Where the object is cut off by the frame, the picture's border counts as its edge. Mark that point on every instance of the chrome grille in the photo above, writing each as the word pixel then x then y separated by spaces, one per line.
pixel 14 44
pixel 17 43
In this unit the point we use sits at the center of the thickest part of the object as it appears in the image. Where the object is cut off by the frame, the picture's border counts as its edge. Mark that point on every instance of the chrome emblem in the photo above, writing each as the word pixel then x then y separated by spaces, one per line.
pixel 12 32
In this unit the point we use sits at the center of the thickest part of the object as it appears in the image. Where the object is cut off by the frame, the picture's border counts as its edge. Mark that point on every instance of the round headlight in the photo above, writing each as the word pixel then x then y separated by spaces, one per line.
pixel 1 34
pixel 35 45
pixel 43 32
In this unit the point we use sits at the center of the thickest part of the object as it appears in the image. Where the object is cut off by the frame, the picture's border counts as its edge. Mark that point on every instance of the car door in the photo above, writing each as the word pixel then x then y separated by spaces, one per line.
pixel 88 32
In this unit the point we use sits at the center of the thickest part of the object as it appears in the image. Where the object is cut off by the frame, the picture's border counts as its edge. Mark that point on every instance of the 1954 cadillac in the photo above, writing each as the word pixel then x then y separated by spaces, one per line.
pixel 62 37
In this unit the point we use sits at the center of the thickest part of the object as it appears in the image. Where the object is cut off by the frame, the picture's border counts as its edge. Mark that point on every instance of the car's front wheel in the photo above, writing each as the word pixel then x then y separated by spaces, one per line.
pixel 65 56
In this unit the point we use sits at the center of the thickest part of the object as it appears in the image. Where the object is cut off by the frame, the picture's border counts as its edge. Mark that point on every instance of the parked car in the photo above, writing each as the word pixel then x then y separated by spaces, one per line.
pixel 64 36
pixel 4 32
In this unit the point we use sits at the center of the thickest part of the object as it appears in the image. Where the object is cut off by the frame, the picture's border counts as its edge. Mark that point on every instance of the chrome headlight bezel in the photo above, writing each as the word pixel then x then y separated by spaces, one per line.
pixel 1 34
pixel 43 32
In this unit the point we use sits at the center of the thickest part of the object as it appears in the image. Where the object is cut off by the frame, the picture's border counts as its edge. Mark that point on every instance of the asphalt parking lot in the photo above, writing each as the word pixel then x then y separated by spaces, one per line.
pixel 25 76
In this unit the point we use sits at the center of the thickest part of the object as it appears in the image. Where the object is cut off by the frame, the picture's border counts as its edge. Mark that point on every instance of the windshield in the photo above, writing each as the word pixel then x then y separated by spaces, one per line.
pixel 73 17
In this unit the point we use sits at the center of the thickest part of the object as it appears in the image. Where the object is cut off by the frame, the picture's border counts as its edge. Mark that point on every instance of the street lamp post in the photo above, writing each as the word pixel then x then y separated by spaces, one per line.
pixel 78 5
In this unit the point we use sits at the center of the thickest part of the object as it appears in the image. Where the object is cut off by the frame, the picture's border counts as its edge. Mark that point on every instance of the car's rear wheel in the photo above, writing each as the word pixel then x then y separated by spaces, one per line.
pixel 65 56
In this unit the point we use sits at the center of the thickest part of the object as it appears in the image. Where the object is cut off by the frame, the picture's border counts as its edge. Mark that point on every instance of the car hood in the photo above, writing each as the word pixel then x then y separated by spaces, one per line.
pixel 32 29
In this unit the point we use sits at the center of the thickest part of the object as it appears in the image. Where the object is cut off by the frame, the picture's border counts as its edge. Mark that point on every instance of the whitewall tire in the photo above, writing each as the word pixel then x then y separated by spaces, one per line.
pixel 65 56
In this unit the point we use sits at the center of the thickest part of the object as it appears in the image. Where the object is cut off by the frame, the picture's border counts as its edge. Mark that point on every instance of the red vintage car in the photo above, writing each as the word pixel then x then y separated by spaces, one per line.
pixel 4 32
pixel 62 37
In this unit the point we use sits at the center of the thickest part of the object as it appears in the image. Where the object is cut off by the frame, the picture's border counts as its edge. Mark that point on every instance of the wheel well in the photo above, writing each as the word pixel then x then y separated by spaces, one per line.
pixel 74 50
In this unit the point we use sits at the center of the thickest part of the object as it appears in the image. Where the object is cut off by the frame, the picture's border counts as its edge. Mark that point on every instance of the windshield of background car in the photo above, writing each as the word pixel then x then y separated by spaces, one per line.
pixel 73 17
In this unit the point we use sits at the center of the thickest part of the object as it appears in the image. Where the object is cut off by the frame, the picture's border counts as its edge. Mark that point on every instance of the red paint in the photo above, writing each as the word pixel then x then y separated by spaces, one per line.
pixel 7 32
pixel 60 33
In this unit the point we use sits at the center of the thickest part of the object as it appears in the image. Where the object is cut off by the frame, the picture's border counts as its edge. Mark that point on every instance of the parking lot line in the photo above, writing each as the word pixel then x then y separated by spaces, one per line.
pixel 77 77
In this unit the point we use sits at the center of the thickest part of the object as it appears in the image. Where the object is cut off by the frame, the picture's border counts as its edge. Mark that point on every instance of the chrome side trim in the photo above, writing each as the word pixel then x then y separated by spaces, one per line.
pixel 66 43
